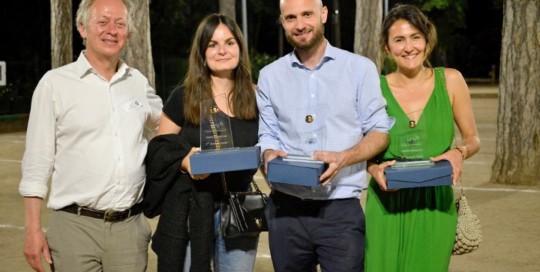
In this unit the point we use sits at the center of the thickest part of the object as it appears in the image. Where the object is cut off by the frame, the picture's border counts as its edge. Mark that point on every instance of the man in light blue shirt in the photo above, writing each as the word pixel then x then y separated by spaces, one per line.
pixel 326 103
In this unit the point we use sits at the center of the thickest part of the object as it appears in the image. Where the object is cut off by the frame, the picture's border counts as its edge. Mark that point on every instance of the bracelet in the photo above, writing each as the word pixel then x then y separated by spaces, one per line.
pixel 462 152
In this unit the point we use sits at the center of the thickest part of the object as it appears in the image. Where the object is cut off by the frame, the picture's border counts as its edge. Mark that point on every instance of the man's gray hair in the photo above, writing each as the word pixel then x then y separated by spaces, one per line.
pixel 84 11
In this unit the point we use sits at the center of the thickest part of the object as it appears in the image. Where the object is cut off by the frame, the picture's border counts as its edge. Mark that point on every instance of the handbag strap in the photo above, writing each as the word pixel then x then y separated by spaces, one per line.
pixel 218 146
pixel 462 193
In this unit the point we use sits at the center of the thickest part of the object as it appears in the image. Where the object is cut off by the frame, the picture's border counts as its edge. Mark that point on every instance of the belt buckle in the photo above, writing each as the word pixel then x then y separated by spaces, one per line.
pixel 108 216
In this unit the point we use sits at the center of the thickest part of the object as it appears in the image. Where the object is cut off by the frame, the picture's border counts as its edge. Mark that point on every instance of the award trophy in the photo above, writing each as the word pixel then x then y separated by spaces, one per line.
pixel 299 168
pixel 218 153
pixel 412 144
pixel 215 125
pixel 414 169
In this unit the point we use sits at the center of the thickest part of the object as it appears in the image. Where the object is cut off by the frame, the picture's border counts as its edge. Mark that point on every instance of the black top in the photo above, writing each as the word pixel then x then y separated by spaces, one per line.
pixel 244 135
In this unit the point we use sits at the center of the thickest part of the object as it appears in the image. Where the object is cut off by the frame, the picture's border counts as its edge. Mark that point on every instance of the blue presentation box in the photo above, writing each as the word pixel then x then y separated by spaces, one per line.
pixel 225 160
pixel 437 174
pixel 296 172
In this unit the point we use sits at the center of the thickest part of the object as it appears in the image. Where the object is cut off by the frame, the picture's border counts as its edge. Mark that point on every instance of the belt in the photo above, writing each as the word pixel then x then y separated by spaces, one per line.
pixel 107 216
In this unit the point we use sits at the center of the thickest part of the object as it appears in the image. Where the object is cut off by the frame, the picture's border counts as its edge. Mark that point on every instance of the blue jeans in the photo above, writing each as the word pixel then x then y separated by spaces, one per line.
pixel 231 255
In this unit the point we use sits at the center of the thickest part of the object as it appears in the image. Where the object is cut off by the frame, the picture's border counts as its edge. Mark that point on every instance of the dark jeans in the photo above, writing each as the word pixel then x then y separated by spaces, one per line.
pixel 304 233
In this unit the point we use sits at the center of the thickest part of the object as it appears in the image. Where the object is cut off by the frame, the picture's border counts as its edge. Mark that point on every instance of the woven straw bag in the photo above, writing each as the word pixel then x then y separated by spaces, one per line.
pixel 468 229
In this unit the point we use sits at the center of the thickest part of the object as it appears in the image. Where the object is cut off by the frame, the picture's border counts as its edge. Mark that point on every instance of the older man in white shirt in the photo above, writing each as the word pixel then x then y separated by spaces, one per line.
pixel 86 134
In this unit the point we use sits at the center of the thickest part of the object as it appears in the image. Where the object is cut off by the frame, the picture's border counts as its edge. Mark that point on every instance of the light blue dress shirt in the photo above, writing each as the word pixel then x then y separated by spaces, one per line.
pixel 341 97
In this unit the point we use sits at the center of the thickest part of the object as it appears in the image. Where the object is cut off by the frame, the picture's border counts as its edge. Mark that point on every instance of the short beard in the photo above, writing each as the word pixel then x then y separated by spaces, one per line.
pixel 318 37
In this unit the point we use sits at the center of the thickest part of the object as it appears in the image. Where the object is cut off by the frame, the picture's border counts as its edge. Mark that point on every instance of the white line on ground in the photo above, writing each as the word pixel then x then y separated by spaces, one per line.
pixel 13 161
pixel 477 162
pixel 9 226
pixel 501 190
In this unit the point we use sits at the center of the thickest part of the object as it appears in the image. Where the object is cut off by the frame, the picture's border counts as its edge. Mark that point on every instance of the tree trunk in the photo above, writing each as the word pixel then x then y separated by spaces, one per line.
pixel 228 7
pixel 517 153
pixel 61 33
pixel 138 53
pixel 367 29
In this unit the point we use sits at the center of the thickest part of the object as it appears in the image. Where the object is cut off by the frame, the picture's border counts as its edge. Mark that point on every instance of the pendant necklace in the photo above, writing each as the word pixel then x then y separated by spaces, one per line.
pixel 412 123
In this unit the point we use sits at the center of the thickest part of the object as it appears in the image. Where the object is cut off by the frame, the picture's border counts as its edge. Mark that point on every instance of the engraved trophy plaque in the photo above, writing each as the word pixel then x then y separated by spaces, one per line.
pixel 215 125
pixel 412 143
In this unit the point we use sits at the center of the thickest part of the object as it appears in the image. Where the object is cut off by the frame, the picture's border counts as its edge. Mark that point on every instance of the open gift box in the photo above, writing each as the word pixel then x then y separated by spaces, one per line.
pixel 435 174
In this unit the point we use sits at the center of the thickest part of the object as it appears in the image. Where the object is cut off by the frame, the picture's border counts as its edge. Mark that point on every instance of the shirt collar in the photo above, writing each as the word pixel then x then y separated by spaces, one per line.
pixel 84 67
pixel 330 53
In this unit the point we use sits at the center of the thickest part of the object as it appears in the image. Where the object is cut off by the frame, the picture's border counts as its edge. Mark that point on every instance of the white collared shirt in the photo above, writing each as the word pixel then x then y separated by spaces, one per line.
pixel 87 135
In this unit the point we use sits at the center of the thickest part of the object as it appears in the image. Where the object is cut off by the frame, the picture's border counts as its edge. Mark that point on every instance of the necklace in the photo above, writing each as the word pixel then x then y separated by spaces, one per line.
pixel 412 123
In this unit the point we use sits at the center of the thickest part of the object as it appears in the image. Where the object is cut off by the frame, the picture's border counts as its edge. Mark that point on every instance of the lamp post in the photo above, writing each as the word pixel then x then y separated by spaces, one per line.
pixel 244 22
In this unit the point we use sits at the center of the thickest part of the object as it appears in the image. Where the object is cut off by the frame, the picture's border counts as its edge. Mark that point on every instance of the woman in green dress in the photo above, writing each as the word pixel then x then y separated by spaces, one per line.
pixel 413 229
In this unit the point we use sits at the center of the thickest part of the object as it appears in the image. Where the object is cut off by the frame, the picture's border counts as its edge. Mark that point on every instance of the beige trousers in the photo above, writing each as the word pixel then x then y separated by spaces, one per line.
pixel 86 244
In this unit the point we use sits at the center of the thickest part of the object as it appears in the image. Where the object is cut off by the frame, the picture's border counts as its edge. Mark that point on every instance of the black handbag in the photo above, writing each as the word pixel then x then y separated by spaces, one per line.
pixel 242 213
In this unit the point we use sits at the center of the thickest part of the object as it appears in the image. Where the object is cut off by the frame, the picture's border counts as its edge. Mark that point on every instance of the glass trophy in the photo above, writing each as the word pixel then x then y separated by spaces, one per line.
pixel 215 125
pixel 412 143
pixel 218 153
pixel 309 138
pixel 298 168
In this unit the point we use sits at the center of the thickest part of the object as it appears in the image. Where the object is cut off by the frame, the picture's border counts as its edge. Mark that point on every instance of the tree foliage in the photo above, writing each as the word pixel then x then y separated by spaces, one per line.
pixel 174 23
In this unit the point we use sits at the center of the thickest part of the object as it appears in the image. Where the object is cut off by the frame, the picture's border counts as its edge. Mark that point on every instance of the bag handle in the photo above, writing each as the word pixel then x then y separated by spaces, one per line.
pixel 462 193
pixel 218 146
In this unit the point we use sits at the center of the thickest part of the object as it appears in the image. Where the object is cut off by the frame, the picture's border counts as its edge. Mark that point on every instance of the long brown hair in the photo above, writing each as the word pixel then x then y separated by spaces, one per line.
pixel 197 84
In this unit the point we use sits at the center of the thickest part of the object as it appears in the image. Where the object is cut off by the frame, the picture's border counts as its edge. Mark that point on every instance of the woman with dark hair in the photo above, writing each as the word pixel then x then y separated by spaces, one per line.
pixel 414 229
pixel 188 233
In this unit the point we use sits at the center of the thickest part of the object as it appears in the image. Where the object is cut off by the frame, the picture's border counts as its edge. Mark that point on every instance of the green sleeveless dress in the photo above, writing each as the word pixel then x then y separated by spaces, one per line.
pixel 413 230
